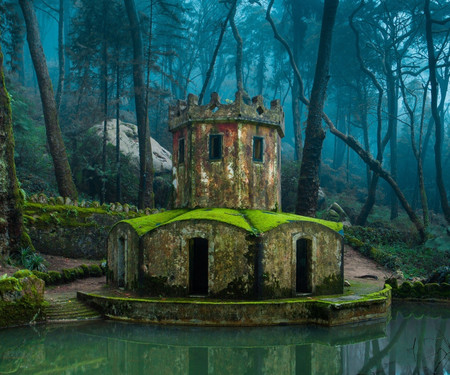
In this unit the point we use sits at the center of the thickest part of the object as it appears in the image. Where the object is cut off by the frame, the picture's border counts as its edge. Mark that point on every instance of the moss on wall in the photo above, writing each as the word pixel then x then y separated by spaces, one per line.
pixel 332 284
pixel 75 232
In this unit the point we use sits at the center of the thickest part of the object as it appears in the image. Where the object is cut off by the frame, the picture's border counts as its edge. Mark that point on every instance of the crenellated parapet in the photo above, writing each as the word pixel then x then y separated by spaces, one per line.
pixel 185 112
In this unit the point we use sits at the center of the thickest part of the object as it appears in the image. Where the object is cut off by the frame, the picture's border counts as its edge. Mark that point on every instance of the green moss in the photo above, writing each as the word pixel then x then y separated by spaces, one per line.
pixel 333 284
pixel 95 270
pixel 147 223
pixel 55 277
pixel 9 284
pixel 43 276
pixel 224 215
pixel 22 273
pixel 264 221
pixel 252 221
pixel 40 215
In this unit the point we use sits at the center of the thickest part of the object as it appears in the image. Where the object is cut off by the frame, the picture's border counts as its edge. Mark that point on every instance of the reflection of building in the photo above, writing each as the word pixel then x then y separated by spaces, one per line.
pixel 226 237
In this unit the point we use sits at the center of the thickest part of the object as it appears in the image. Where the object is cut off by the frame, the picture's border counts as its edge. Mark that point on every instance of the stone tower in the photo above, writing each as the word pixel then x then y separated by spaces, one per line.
pixel 227 155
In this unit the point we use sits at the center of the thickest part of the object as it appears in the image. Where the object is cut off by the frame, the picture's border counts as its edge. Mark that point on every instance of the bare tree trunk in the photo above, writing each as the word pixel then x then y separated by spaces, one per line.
pixel 118 171
pixel 381 143
pixel 216 52
pixel 145 195
pixel 104 80
pixel 296 118
pixel 392 121
pixel 17 41
pixel 61 55
pixel 11 222
pixel 66 186
pixel 239 50
pixel 434 112
pixel 308 184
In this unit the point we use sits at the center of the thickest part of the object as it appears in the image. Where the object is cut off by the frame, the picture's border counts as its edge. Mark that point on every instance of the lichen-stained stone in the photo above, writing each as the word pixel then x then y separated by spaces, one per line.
pixel 236 179
pixel 250 254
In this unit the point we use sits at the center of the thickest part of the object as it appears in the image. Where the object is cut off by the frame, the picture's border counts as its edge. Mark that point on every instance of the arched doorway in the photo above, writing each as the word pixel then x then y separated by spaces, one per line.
pixel 303 265
pixel 198 266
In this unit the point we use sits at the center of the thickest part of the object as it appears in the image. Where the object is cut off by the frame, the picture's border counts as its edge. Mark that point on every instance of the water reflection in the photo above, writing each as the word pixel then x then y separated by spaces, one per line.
pixel 414 342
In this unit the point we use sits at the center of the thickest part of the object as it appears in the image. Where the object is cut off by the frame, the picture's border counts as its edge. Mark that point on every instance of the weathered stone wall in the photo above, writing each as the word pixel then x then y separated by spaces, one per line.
pixel 123 242
pixel 70 231
pixel 235 180
pixel 165 259
pixel 279 262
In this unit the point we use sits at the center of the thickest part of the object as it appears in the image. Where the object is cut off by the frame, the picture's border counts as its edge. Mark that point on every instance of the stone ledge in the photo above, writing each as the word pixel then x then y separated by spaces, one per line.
pixel 197 312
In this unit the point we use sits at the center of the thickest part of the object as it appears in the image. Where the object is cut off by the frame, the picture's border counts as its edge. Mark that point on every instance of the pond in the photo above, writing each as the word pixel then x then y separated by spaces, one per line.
pixel 416 340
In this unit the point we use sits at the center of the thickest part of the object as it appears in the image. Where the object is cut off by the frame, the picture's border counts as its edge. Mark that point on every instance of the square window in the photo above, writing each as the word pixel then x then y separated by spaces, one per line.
pixel 215 146
pixel 258 148
pixel 181 151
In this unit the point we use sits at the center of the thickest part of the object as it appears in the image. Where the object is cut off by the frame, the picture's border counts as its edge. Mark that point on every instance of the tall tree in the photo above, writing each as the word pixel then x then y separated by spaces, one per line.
pixel 145 197
pixel 308 184
pixel 66 186
pixel 434 109
pixel 11 221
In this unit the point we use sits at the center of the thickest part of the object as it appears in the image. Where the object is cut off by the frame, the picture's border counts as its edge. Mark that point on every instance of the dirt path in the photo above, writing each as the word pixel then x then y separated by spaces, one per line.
pixel 357 265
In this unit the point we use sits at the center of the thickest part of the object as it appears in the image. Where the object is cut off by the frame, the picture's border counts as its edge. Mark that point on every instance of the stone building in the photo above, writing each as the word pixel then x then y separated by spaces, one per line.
pixel 226 236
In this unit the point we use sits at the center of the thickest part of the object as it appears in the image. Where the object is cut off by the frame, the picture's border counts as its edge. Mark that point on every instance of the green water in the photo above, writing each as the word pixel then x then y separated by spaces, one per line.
pixel 416 340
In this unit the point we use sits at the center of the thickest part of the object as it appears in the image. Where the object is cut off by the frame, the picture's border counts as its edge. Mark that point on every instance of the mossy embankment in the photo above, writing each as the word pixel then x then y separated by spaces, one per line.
pixel 71 231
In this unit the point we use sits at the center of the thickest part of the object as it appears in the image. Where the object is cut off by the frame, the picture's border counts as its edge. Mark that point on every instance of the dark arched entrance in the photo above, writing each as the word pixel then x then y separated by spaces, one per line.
pixel 303 262
pixel 198 266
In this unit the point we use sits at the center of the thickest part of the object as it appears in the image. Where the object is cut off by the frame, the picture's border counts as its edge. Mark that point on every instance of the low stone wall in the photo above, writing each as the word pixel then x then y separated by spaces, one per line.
pixel 21 299
pixel 326 312
pixel 70 231
pixel 420 291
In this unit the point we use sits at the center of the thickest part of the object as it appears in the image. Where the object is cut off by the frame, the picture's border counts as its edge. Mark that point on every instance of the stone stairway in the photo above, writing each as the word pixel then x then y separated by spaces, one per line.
pixel 69 309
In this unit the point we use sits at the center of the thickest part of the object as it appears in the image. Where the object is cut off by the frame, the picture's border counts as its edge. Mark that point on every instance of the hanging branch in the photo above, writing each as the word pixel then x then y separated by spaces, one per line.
pixel 373 164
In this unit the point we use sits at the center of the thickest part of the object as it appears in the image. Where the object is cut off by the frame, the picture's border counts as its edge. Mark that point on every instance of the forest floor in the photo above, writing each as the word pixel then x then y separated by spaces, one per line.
pixel 357 269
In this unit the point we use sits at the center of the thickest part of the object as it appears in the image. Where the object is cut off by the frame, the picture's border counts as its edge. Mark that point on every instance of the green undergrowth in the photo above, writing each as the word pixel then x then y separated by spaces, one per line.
pixel 40 215
pixel 396 250
pixel 253 221
pixel 66 275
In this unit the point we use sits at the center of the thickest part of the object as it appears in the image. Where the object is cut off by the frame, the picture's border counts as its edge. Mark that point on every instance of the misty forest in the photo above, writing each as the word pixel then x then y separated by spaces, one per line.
pixel 363 84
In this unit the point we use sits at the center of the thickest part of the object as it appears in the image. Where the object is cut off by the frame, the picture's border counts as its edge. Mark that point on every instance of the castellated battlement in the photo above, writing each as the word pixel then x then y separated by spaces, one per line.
pixel 186 112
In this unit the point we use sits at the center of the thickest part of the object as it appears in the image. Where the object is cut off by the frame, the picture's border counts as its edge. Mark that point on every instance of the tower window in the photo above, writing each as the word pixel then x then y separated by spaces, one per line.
pixel 258 148
pixel 215 146
pixel 181 151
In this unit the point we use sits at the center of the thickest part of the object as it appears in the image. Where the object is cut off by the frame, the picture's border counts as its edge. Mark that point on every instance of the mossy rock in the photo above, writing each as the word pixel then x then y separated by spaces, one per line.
pixel 22 273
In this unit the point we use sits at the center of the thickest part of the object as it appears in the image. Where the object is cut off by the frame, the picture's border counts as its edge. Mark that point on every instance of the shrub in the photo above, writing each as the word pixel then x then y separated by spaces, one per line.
pixel 55 277
pixel 43 276
pixel 95 270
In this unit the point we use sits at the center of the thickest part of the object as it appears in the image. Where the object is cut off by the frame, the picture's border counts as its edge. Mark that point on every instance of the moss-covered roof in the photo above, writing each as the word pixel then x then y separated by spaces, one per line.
pixel 254 221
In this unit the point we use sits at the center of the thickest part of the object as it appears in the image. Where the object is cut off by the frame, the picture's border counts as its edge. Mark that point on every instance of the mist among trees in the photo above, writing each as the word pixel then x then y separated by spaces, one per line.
pixel 364 86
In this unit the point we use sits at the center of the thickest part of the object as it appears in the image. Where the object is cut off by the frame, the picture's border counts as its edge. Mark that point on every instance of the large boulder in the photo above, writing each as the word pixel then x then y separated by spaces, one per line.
pixel 129 145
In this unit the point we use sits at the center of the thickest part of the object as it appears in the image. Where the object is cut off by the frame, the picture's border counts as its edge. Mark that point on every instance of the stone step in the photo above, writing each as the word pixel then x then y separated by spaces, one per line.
pixel 65 310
